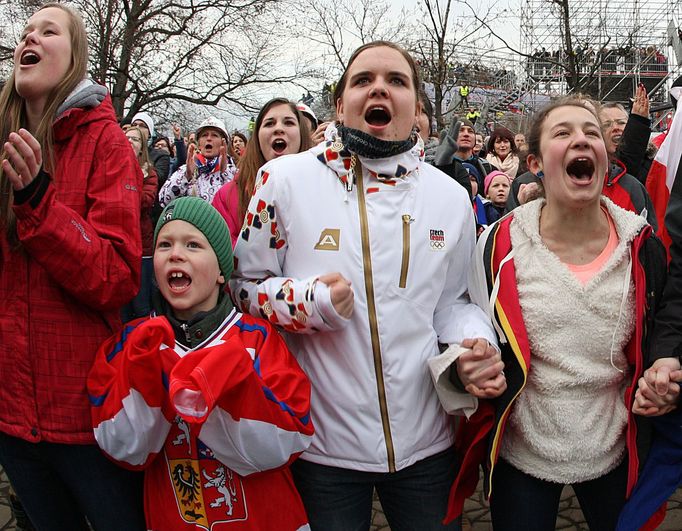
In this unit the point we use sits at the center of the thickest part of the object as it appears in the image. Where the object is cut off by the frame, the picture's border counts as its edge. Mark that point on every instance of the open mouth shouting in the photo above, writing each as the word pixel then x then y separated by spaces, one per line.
pixel 29 58
pixel 581 169
pixel 377 116
pixel 279 146
pixel 178 281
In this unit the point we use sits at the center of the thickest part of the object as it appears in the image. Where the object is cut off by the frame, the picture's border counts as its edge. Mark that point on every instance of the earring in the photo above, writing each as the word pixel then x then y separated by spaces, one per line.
pixel 540 174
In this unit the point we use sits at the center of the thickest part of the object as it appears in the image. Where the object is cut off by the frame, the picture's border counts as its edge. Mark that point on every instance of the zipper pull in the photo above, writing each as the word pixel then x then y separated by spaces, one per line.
pixel 407 219
pixel 185 329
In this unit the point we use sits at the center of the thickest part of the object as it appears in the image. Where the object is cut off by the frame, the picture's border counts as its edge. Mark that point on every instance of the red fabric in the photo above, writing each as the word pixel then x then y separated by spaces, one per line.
pixel 246 376
pixel 659 192
pixel 226 201
pixel 61 292
pixel 150 190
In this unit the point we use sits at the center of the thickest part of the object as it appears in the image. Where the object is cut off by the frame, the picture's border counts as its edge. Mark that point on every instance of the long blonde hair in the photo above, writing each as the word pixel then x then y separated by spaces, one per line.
pixel 13 112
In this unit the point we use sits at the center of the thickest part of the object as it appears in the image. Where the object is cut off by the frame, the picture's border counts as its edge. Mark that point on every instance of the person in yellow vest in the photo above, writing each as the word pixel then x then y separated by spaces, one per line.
pixel 473 115
pixel 464 94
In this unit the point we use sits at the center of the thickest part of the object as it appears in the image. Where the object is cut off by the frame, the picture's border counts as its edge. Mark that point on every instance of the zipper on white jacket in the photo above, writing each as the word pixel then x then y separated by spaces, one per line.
pixel 405 264
pixel 372 314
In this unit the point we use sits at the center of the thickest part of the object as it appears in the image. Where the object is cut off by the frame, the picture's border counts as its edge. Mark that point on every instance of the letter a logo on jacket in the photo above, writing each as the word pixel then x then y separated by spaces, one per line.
pixel 329 240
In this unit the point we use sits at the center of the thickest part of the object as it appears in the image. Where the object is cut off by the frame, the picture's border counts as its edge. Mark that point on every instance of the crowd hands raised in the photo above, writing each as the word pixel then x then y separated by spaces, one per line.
pixel 292 288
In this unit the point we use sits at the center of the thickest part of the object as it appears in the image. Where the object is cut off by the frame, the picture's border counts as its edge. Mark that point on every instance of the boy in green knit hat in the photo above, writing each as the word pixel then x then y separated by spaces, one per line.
pixel 215 392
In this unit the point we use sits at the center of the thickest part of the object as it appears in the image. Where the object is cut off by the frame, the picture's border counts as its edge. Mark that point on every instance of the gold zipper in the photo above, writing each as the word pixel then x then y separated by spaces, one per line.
pixel 372 314
pixel 404 266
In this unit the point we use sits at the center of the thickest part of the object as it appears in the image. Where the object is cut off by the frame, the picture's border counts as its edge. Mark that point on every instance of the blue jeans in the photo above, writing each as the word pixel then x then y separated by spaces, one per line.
pixel 61 484
pixel 415 498
pixel 521 502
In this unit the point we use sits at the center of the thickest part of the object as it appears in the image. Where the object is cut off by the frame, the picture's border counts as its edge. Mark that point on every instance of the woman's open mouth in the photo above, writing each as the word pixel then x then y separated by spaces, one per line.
pixel 581 169
pixel 377 116
pixel 279 146
pixel 29 58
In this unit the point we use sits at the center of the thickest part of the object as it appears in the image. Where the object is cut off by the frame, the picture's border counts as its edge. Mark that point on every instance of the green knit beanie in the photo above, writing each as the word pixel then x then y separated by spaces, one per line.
pixel 208 220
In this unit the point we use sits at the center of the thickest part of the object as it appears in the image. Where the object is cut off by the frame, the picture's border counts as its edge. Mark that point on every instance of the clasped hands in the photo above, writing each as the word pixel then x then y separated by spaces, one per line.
pixel 480 369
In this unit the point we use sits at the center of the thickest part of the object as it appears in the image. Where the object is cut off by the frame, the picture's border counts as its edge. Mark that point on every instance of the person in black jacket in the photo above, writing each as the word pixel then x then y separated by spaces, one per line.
pixel 627 137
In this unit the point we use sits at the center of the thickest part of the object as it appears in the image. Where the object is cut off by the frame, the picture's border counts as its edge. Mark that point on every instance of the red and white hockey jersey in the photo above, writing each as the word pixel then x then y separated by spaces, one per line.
pixel 214 427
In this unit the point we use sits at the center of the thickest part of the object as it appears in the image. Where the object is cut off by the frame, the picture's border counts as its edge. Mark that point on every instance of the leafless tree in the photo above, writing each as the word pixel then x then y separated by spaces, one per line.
pixel 332 29
pixel 444 27
pixel 206 52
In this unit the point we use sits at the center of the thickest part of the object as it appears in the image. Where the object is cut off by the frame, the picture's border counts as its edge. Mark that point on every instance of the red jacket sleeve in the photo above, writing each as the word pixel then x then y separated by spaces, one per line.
pixel 96 257
pixel 131 414
pixel 150 189
pixel 249 395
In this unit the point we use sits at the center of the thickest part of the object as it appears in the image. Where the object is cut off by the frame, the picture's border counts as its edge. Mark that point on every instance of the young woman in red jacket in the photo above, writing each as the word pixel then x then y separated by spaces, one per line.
pixel 70 255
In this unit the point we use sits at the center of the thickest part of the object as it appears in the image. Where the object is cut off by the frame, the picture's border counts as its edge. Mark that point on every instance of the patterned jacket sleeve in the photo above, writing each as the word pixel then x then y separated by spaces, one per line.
pixel 131 413
pixel 94 257
pixel 250 397
pixel 258 286
pixel 175 186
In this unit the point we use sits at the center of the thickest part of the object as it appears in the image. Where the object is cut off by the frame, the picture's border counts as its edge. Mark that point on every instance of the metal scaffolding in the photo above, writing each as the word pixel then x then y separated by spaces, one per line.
pixel 615 45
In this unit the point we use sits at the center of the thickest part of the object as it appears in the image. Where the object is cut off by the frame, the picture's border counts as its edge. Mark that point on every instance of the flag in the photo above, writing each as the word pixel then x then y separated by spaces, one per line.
pixel 661 176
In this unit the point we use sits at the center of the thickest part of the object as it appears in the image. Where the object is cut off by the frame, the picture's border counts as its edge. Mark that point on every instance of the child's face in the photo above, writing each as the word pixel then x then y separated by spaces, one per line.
pixel 474 185
pixel 498 191
pixel 186 269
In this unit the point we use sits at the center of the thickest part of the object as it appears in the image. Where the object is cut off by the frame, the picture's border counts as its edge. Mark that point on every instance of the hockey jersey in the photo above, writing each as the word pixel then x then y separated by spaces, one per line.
pixel 214 427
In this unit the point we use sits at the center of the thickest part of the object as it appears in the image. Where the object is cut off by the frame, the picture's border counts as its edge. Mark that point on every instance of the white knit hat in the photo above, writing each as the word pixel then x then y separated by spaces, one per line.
pixel 144 117
pixel 213 123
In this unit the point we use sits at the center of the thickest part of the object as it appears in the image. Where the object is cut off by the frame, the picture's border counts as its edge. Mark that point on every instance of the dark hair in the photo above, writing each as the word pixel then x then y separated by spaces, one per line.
pixel 253 159
pixel 416 80
pixel 171 148
pixel 427 108
pixel 230 146
pixel 501 132
pixel 535 131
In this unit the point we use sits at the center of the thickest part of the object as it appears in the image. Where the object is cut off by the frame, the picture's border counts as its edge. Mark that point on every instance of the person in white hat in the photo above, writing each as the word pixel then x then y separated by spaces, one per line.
pixel 160 159
pixel 208 166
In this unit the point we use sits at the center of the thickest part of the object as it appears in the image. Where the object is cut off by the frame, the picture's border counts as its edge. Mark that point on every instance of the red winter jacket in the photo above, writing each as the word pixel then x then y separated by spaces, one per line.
pixel 61 290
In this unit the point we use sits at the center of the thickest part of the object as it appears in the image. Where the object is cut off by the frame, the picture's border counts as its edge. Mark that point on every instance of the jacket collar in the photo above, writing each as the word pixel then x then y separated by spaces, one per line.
pixel 341 161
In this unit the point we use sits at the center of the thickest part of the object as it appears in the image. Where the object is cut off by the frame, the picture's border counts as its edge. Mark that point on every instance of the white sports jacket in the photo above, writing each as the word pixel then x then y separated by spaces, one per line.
pixel 403 233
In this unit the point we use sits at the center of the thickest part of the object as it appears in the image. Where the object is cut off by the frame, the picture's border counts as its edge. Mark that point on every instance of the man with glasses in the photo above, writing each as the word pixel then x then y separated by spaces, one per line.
pixel 627 137
pixel 626 141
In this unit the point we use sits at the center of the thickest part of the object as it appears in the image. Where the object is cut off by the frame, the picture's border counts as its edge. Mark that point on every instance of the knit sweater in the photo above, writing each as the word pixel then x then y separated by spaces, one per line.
pixel 568 424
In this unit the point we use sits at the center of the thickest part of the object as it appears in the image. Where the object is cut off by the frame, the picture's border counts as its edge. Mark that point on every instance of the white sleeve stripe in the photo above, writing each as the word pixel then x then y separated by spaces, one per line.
pixel 248 446
pixel 135 432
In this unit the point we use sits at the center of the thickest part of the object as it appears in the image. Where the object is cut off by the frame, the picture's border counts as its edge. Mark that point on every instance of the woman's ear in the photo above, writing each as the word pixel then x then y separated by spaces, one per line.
pixel 534 165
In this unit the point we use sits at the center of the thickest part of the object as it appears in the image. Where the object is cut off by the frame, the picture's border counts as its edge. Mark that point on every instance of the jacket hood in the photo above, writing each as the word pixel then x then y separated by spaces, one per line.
pixel 616 171
pixel 88 102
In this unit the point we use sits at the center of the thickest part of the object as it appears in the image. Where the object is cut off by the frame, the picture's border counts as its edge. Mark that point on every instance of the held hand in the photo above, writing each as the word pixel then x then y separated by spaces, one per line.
pixel 318 134
pixel 191 165
pixel 341 293
pixel 658 390
pixel 640 104
pixel 177 131
pixel 223 156
pixel 24 159
pixel 480 369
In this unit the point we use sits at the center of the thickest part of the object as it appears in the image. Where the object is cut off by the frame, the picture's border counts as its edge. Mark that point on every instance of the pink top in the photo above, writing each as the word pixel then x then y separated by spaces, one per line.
pixel 226 201
pixel 585 272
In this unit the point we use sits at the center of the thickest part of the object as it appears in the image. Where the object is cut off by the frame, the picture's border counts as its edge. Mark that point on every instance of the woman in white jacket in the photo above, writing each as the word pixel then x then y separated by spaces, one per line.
pixel 360 252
